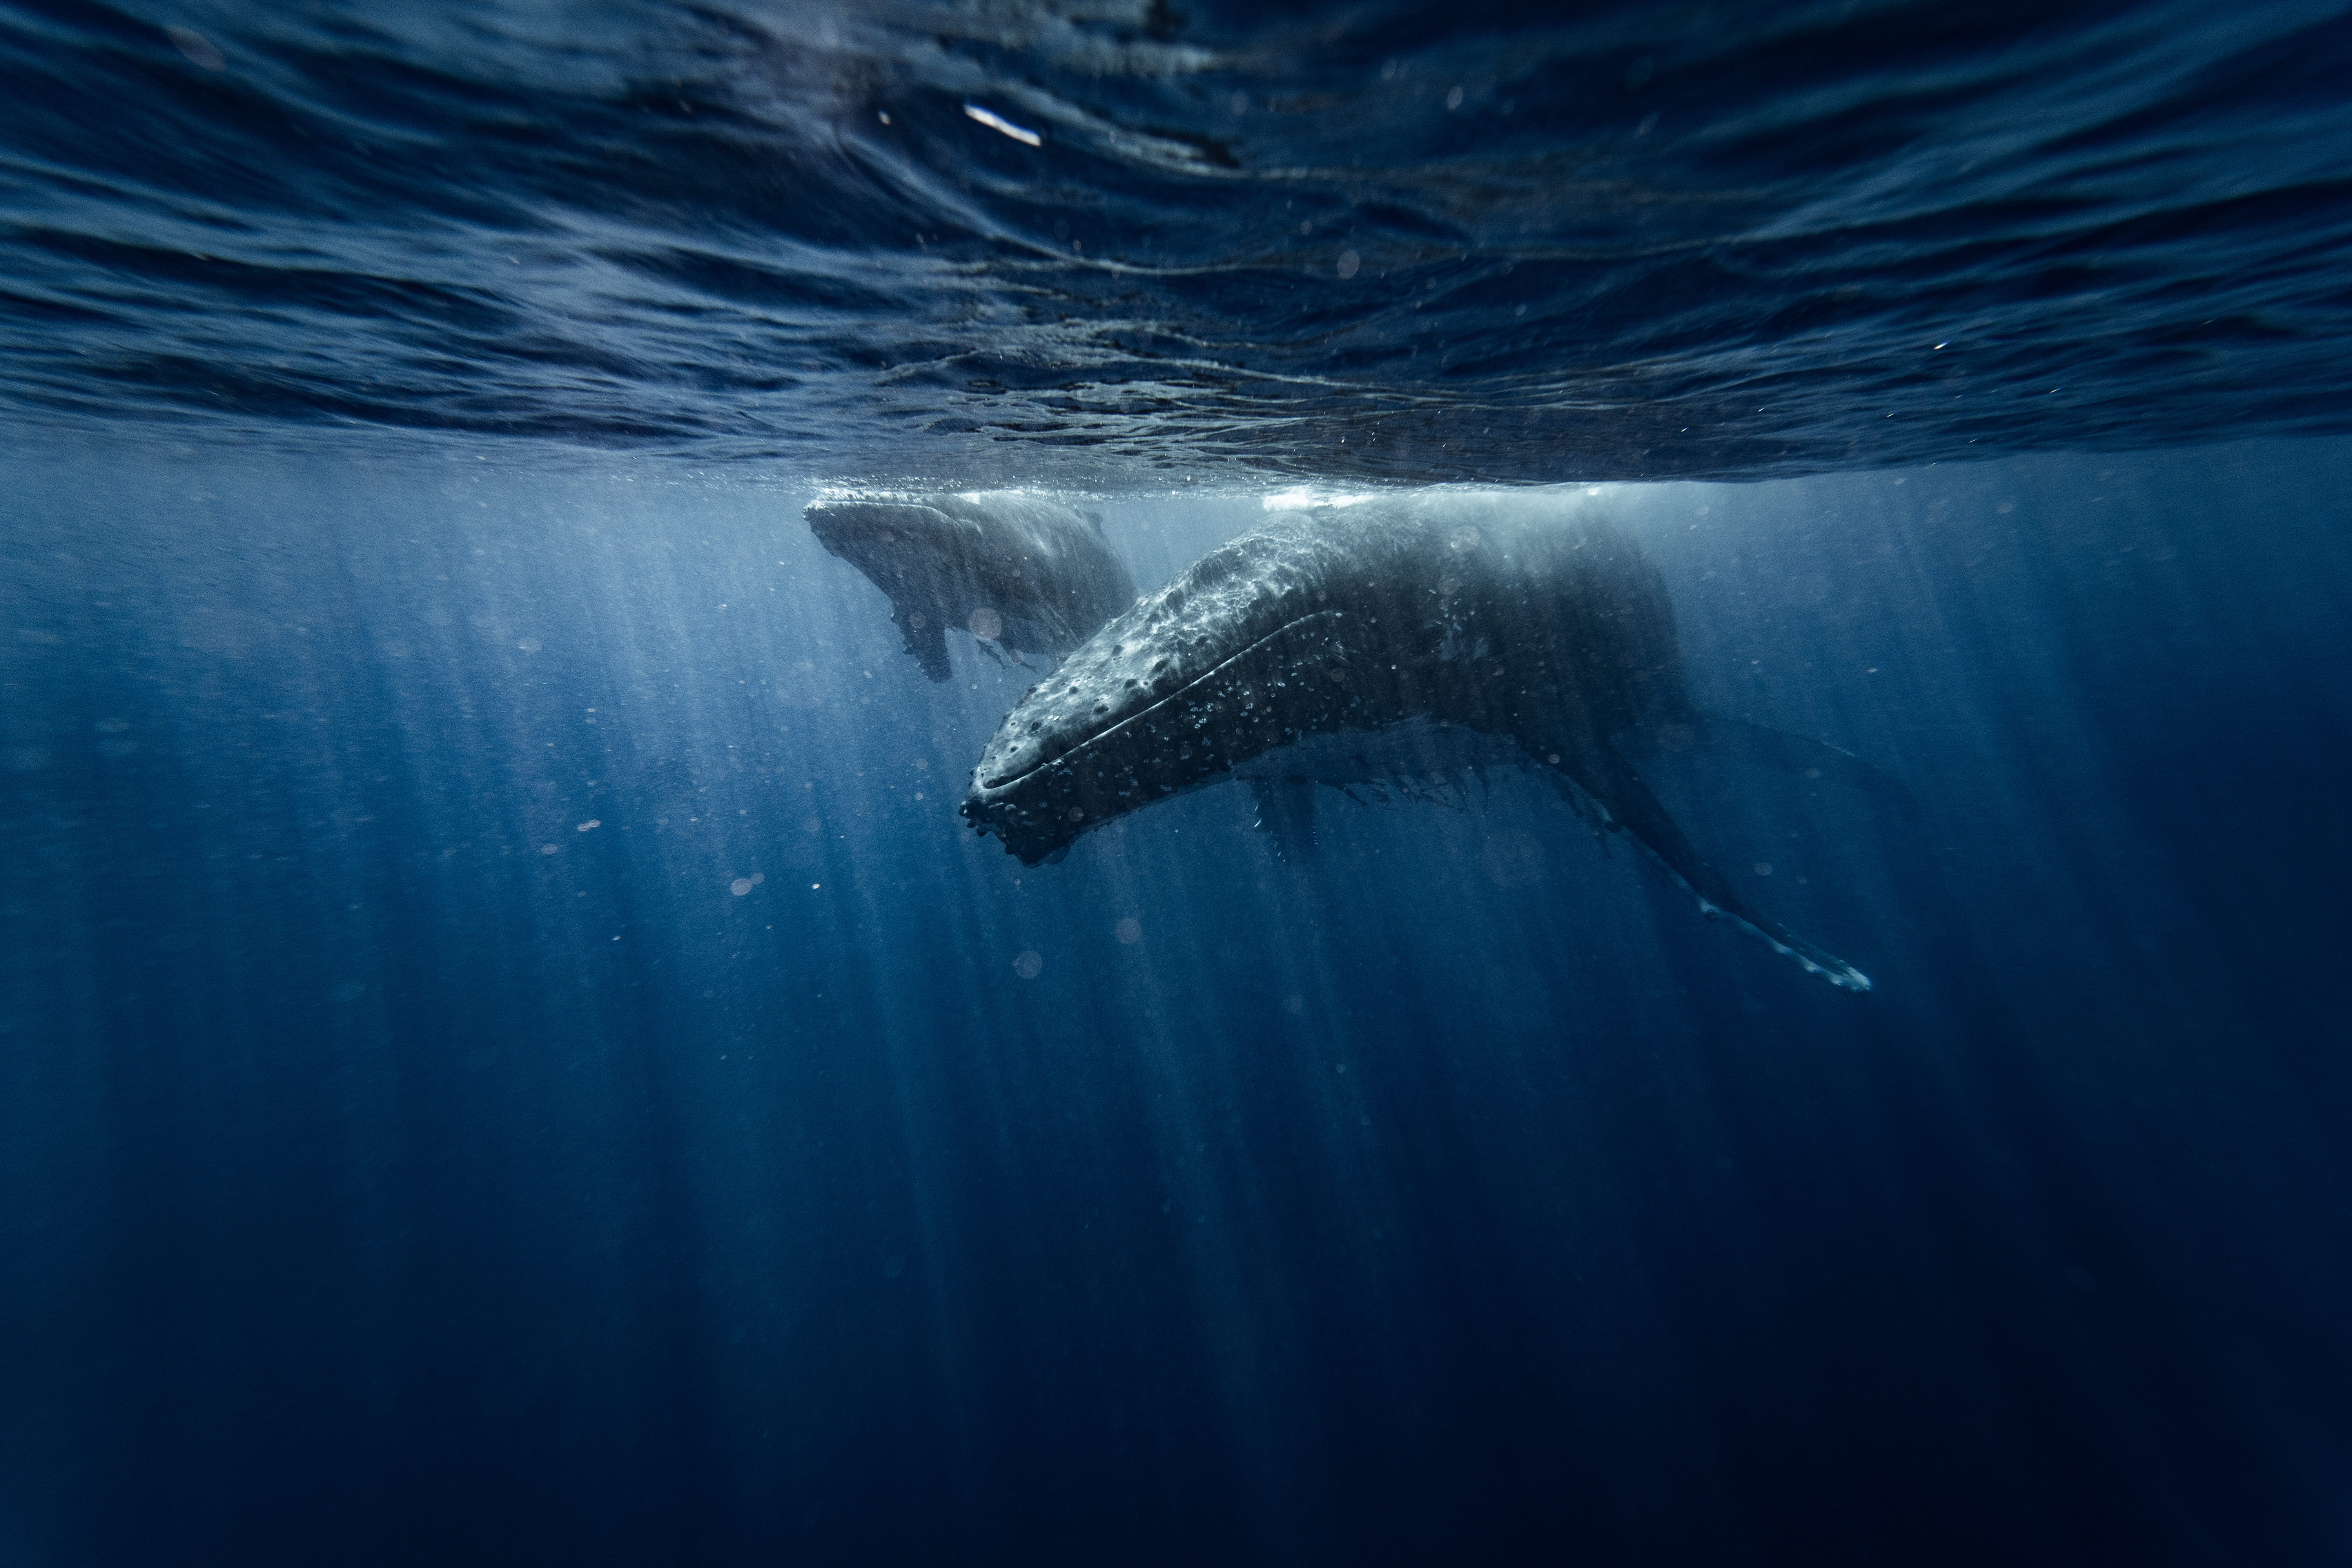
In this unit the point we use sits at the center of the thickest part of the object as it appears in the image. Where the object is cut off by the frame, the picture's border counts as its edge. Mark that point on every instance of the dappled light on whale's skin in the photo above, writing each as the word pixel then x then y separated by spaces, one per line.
pixel 1404 638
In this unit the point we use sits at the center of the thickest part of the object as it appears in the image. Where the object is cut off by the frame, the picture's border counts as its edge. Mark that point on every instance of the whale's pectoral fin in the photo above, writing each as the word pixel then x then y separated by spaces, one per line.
pixel 927 640
pixel 1285 808
pixel 1612 783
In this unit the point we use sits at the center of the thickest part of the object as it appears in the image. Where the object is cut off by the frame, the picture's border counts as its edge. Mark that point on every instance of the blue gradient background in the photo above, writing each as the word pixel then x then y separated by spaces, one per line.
pixel 378 1187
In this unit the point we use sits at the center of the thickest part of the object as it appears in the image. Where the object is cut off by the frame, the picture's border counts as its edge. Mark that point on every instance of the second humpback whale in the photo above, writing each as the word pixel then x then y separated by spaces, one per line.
pixel 1016 571
pixel 1398 639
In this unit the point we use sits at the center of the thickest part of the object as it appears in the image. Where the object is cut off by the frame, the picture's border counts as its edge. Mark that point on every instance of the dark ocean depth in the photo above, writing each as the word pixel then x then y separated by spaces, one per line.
pixel 509 1054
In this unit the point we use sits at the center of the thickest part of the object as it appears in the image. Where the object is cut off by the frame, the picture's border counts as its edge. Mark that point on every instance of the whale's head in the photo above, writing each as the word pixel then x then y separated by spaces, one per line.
pixel 1257 644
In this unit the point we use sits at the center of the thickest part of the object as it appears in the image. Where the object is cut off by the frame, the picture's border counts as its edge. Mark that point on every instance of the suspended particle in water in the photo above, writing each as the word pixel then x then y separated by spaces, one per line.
pixel 1129 931
pixel 740 886
pixel 986 624
pixel 1028 963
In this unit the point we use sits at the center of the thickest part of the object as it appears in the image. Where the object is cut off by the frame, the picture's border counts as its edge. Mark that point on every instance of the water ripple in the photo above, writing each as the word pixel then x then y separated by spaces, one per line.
pixel 1385 240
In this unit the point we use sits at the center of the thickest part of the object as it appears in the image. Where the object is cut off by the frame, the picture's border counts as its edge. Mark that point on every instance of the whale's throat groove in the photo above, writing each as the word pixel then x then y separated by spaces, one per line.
pixel 1008 781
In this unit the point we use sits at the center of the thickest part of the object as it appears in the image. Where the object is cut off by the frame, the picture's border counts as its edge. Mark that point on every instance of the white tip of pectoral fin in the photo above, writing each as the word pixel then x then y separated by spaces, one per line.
pixel 1811 960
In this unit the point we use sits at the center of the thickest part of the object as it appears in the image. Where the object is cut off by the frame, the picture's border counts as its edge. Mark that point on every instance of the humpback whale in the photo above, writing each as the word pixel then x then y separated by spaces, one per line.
pixel 1396 640
pixel 1018 572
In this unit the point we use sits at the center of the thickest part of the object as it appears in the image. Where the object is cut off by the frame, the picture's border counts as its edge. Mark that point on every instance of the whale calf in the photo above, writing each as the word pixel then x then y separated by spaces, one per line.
pixel 1402 638
pixel 1017 571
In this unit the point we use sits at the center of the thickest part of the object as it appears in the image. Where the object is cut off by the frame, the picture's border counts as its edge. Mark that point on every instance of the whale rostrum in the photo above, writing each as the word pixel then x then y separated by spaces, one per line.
pixel 1019 572
pixel 1401 638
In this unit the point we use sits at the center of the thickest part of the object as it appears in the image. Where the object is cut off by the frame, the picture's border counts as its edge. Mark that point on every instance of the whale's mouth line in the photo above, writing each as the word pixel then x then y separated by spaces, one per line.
pixel 1155 705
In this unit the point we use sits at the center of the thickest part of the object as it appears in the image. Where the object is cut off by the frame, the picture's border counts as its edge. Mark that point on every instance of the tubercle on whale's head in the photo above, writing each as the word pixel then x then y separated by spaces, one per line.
pixel 1235 657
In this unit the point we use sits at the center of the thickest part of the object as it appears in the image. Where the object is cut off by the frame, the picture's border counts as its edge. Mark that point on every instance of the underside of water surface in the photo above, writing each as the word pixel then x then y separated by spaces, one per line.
pixel 1110 244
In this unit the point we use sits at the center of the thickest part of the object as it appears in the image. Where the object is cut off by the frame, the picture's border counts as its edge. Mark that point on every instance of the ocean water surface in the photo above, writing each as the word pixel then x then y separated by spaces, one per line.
pixel 509 1055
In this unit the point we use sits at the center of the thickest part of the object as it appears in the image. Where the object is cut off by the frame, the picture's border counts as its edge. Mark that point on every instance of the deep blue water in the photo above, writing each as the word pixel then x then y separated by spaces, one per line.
pixel 397 1172
pixel 507 1055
